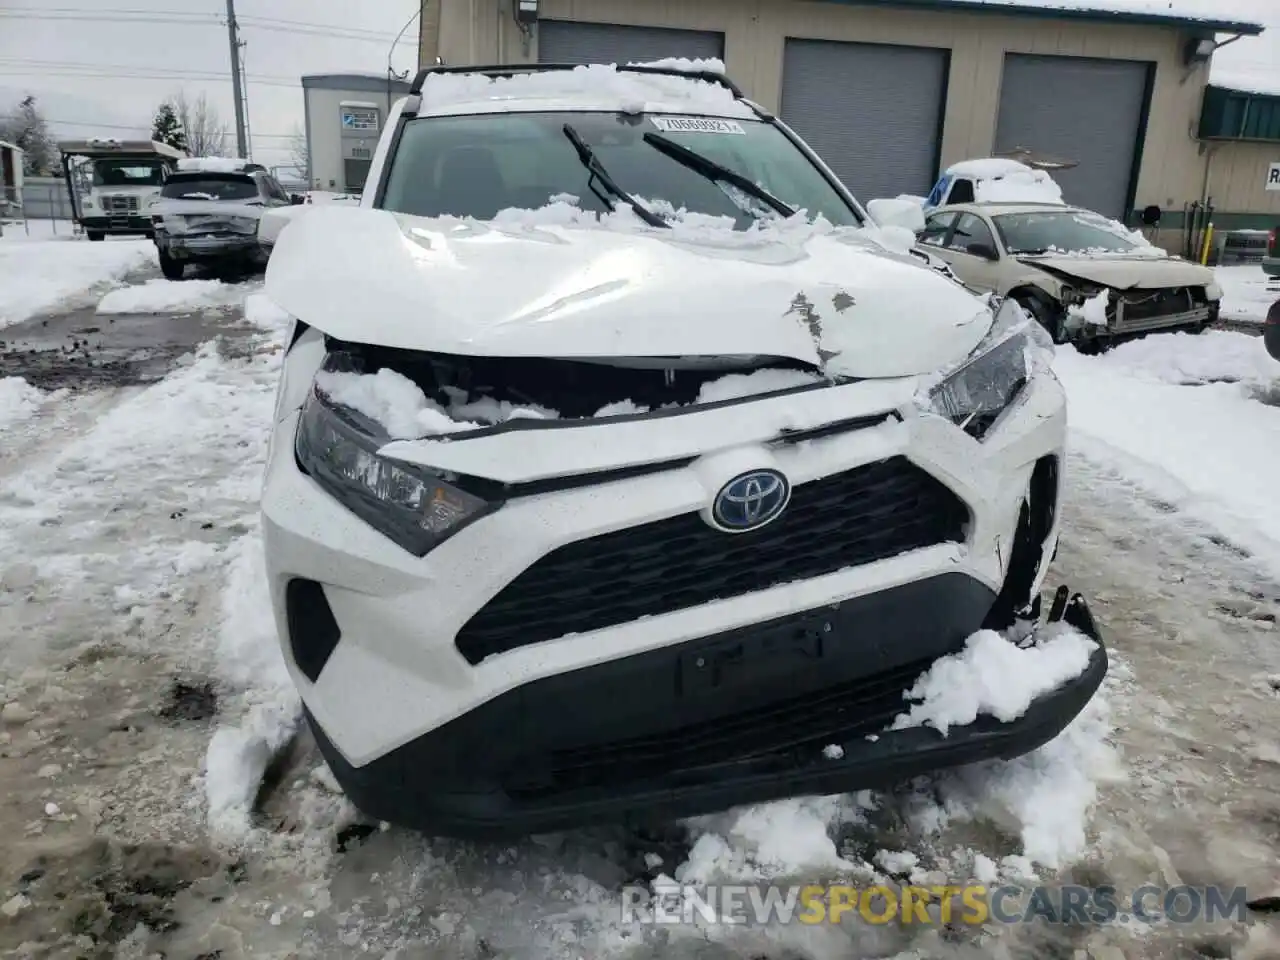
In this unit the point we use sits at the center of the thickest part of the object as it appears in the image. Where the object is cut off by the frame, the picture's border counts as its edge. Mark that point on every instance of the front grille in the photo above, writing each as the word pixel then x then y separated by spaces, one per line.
pixel 120 204
pixel 1139 310
pixel 860 516
pixel 791 731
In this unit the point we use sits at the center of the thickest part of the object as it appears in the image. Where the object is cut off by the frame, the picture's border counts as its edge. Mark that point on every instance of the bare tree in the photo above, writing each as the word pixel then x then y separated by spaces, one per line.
pixel 28 131
pixel 205 130
pixel 300 153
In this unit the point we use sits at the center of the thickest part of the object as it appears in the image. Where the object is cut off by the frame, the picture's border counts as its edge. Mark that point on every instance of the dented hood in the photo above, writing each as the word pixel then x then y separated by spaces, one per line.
pixel 1126 273
pixel 598 290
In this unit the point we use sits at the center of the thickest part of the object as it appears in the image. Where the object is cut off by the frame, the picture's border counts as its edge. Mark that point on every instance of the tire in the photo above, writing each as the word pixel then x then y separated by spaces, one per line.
pixel 1042 312
pixel 95 235
pixel 171 268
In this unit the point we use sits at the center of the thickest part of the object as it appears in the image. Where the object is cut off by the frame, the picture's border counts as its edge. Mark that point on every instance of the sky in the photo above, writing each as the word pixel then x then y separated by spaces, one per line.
pixel 101 67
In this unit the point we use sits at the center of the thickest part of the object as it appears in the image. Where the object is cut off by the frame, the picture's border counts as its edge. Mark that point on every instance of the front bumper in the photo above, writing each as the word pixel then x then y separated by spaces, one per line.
pixel 423 727
pixel 132 225
pixel 563 751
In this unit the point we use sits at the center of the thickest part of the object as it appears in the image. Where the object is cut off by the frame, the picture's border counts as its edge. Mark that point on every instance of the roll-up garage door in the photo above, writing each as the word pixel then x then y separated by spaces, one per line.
pixel 567 41
pixel 1077 108
pixel 873 112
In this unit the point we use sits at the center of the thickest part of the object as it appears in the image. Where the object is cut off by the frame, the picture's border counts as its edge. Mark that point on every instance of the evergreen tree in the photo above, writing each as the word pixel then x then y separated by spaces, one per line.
pixel 167 128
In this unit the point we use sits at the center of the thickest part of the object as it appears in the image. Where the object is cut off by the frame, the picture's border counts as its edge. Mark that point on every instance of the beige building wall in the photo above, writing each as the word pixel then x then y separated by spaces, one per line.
pixel 1238 176
pixel 1173 165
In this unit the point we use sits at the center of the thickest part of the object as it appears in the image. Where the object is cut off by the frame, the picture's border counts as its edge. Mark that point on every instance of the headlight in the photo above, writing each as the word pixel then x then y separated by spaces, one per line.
pixel 243 224
pixel 409 505
pixel 974 395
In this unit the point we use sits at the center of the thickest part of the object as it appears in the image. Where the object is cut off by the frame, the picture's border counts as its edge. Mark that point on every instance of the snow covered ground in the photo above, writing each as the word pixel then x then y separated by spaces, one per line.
pixel 40 275
pixel 1247 292
pixel 145 700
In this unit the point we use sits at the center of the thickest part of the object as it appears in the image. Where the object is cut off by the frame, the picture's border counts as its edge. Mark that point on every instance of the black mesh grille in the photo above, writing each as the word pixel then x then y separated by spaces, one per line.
pixel 788 730
pixel 871 513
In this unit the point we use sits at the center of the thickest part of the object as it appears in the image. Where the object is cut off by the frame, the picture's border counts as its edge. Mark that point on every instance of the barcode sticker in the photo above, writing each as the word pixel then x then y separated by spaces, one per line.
pixel 696 125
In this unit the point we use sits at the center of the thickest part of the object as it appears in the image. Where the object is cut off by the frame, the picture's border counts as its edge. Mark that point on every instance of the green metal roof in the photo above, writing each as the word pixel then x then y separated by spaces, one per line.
pixel 1047 10
pixel 1228 114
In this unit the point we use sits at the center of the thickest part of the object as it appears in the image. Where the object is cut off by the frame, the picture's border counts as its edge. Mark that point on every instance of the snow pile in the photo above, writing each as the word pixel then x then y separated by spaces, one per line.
pixel 1093 312
pixel 994 677
pixel 172 296
pixel 212 164
pixel 1207 449
pixel 250 660
pixel 39 276
pixel 18 401
pixel 400 407
pixel 602 84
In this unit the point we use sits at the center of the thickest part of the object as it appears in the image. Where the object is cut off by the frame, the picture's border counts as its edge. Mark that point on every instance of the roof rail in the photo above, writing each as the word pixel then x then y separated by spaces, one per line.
pixel 513 69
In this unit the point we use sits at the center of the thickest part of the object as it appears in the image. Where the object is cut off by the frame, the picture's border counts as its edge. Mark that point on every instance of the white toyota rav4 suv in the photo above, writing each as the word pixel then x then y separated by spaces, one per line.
pixel 622 467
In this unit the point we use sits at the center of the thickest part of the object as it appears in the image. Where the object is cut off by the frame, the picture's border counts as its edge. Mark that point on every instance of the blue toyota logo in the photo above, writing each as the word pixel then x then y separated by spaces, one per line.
pixel 751 500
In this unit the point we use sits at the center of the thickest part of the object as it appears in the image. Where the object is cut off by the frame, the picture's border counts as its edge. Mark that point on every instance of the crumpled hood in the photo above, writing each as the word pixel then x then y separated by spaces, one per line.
pixel 1126 273
pixel 613 288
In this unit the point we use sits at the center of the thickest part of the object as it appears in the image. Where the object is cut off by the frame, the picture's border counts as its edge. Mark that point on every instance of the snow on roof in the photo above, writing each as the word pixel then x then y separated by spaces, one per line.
pixel 214 164
pixel 1173 12
pixel 593 86
pixel 987 167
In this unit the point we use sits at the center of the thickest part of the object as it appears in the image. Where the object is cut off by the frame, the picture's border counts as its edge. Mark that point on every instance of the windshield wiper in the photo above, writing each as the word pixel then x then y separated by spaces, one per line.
pixel 716 172
pixel 598 172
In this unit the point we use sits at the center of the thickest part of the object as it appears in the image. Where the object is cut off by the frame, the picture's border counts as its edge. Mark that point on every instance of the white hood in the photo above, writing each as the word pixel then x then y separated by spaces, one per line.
pixel 556 283
pixel 1126 273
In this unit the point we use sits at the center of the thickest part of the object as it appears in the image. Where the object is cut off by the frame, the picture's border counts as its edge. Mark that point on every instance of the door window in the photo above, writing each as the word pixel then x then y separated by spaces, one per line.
pixel 970 230
pixel 935 229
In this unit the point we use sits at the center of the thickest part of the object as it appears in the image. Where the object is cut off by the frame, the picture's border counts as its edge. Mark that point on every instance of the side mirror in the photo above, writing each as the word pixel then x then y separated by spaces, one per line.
pixel 1151 215
pixel 984 250
pixel 897 212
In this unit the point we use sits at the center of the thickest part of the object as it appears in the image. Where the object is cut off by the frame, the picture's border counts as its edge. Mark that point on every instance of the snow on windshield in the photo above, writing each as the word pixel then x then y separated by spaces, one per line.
pixel 628 92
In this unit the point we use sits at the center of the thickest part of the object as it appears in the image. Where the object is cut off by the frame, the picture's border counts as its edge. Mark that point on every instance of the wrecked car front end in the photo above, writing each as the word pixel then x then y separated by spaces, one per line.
pixel 652 528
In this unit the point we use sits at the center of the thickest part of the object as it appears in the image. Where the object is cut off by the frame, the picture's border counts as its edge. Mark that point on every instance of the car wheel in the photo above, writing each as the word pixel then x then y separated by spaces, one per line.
pixel 1044 313
pixel 94 234
pixel 171 268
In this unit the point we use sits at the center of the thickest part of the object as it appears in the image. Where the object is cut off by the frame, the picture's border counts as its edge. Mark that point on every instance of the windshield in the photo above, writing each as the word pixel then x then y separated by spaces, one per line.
pixel 128 172
pixel 210 188
pixel 1067 231
pixel 475 166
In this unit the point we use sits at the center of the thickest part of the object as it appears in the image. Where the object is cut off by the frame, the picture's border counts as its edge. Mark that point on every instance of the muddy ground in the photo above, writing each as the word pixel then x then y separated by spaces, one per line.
pixel 109 711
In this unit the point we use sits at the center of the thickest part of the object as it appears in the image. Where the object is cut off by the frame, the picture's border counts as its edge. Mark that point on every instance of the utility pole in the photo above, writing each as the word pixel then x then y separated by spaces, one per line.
pixel 237 81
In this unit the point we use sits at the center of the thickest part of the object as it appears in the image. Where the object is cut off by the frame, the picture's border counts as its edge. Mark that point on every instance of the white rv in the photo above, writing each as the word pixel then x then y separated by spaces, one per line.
pixel 113 183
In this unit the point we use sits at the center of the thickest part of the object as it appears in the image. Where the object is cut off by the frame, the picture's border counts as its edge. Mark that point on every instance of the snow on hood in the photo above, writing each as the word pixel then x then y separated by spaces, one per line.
pixel 1142 272
pixel 563 283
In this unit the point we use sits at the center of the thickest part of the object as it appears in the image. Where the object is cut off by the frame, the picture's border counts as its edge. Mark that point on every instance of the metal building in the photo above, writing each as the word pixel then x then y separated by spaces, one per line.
pixel 344 116
pixel 891 91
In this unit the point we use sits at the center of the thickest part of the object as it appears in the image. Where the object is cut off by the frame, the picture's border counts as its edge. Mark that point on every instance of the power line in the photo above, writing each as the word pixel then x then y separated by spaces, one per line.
pixel 105 75
pixel 131 68
pixel 294 27
pixel 135 126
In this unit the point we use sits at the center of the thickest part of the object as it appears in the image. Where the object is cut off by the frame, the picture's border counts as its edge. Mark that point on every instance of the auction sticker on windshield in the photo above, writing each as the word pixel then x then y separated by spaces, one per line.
pixel 696 125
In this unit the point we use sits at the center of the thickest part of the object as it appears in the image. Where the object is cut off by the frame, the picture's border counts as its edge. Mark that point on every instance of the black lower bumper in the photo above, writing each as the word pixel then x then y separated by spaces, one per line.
pixel 741 717
pixel 118 226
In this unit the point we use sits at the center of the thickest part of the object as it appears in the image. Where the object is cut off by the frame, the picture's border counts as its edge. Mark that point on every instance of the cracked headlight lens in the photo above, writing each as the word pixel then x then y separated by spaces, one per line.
pixel 407 504
pixel 974 395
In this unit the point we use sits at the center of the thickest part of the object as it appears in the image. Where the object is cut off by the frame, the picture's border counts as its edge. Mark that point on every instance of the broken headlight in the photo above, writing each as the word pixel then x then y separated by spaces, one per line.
pixel 993 376
pixel 408 504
